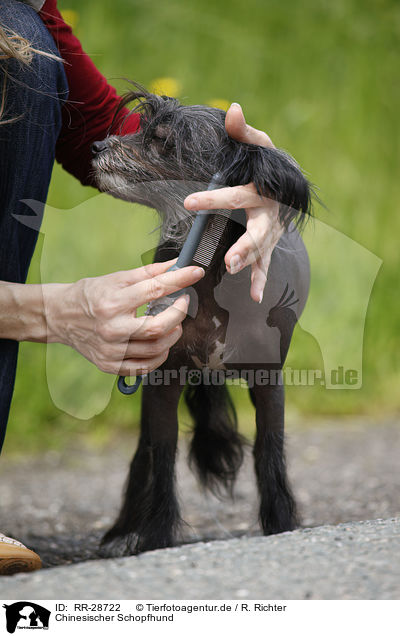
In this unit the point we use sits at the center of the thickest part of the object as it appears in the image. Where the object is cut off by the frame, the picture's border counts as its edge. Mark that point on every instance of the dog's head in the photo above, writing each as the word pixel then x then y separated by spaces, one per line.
pixel 177 150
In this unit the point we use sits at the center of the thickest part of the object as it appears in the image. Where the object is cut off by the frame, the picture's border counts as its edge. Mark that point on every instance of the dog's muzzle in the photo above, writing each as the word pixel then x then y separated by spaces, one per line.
pixel 98 147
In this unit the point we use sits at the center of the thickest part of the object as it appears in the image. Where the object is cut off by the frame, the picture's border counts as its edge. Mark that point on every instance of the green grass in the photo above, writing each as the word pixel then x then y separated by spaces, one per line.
pixel 322 79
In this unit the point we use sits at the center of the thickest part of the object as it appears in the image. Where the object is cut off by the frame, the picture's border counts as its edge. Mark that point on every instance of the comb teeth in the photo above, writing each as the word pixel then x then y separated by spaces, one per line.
pixel 211 237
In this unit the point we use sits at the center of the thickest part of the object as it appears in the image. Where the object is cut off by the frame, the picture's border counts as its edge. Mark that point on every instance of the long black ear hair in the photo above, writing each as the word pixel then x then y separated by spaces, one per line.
pixel 274 173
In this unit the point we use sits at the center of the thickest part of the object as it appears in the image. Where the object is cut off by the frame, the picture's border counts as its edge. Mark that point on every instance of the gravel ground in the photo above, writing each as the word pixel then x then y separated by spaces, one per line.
pixel 349 561
pixel 60 504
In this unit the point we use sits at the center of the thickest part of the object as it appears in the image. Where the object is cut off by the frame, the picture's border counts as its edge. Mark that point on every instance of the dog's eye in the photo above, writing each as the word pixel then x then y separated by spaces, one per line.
pixel 161 144
pixel 159 141
pixel 162 132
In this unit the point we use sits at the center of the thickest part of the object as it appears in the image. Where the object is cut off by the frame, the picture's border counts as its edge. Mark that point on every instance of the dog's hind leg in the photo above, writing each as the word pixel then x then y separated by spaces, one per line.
pixel 277 504
pixel 149 517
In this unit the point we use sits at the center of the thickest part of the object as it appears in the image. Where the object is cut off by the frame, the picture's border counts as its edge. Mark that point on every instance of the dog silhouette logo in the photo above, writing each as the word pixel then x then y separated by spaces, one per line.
pixel 26 615
pixel 284 318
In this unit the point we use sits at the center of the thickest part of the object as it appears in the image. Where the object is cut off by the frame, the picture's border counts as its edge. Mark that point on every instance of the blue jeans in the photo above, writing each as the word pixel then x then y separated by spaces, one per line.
pixel 27 148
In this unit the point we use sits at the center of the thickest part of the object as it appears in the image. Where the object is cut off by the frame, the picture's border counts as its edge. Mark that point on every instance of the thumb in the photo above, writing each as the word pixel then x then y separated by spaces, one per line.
pixel 236 127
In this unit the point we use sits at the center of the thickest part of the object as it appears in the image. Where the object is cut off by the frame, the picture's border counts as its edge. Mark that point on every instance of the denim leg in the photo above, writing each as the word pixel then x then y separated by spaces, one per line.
pixel 35 94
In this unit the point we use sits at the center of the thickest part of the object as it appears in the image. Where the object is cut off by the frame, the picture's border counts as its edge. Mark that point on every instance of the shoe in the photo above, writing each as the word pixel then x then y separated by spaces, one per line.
pixel 16 558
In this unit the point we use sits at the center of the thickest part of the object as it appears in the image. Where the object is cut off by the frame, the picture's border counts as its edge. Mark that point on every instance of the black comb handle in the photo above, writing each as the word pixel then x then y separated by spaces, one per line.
pixel 184 259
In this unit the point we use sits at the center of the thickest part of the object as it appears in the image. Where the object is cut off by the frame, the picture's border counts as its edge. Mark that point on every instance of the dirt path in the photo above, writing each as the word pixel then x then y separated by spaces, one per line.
pixel 60 504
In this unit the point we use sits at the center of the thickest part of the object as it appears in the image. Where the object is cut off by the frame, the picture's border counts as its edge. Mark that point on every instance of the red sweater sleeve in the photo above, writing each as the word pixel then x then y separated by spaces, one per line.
pixel 89 112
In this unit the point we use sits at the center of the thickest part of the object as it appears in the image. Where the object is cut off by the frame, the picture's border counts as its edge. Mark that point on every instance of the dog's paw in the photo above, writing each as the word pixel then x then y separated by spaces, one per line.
pixel 126 545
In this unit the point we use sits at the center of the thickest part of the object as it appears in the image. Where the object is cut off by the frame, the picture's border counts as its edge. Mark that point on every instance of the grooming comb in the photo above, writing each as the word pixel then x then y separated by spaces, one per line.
pixel 199 247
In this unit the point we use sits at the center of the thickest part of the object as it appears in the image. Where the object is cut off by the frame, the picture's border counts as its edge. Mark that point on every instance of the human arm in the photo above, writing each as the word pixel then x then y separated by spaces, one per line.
pixel 90 113
pixel 97 316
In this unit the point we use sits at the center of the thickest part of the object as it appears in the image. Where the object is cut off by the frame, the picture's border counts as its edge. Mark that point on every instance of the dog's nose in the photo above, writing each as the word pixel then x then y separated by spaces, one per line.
pixel 98 146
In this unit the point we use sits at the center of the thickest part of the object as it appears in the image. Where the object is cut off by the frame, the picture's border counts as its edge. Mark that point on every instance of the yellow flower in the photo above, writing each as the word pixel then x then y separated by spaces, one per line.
pixel 219 103
pixel 71 17
pixel 165 86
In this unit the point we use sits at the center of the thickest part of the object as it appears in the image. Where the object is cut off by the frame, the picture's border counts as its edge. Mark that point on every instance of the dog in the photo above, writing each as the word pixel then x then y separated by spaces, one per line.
pixel 177 151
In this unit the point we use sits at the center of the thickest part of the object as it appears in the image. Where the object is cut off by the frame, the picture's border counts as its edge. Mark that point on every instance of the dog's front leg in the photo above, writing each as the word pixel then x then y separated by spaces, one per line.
pixel 149 517
pixel 277 505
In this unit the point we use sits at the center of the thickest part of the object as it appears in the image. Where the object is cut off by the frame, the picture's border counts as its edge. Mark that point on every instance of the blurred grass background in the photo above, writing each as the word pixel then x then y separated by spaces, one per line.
pixel 322 79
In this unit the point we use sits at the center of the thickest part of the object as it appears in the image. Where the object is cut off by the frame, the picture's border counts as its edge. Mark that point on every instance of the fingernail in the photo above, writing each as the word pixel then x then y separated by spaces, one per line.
pixel 236 104
pixel 261 297
pixel 192 203
pixel 235 264
pixel 199 272
pixel 186 298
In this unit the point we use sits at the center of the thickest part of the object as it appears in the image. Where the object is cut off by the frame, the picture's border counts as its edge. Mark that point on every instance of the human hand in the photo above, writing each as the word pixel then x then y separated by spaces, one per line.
pixel 97 317
pixel 263 228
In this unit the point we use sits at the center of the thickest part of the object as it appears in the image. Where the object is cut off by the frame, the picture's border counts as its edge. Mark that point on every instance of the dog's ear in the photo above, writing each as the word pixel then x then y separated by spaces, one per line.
pixel 274 173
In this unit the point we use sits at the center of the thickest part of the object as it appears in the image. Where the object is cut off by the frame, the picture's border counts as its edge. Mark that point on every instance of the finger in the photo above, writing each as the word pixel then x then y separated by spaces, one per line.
pixel 151 348
pixel 246 251
pixel 259 278
pixel 264 230
pixel 125 328
pixel 229 198
pixel 141 367
pixel 154 327
pixel 236 127
pixel 153 288
pixel 249 246
pixel 138 274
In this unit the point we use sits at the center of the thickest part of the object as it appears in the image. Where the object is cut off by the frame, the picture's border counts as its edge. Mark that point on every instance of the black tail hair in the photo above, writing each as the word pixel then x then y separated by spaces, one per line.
pixel 216 450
